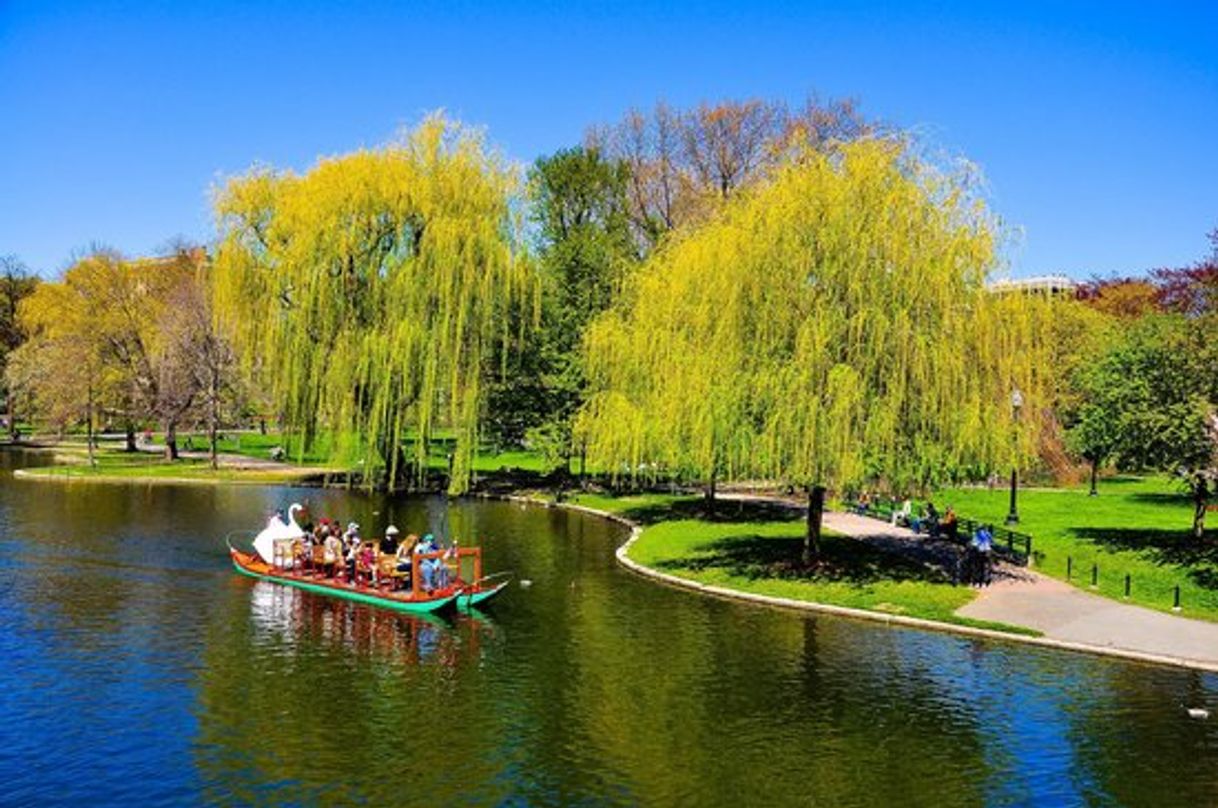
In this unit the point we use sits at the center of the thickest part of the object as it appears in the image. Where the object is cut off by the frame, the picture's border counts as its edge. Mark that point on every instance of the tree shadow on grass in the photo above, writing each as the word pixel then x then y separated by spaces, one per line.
pixel 843 560
pixel 1164 547
pixel 1166 498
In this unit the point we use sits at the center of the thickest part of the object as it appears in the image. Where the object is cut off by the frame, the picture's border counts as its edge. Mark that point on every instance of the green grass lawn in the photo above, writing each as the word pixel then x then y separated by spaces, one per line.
pixel 254 444
pixel 756 548
pixel 112 463
pixel 1136 526
pixel 644 508
pixel 488 461
pixel 182 470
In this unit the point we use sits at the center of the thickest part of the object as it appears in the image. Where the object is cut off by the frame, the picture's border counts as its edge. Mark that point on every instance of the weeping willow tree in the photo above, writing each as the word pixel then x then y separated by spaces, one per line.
pixel 368 292
pixel 828 329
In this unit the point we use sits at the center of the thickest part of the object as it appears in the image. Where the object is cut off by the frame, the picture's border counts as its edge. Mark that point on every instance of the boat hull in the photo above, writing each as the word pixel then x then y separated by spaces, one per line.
pixel 470 600
pixel 255 569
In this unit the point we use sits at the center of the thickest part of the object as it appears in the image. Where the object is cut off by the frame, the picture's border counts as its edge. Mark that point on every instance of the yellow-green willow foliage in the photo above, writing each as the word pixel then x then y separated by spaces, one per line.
pixel 368 292
pixel 830 328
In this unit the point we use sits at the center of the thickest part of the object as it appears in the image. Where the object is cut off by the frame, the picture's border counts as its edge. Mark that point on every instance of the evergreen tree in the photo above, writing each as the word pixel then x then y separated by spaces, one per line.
pixel 584 250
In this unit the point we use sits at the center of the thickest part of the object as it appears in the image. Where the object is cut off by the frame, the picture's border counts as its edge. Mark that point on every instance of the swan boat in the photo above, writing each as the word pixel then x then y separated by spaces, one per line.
pixel 273 559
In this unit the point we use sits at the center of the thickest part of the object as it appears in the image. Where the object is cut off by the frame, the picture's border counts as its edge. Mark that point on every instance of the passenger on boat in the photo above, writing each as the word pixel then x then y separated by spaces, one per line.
pixel 443 574
pixel 427 565
pixel 402 558
pixel 304 551
pixel 321 532
pixel 352 542
pixel 333 553
pixel 439 573
pixel 389 544
pixel 366 562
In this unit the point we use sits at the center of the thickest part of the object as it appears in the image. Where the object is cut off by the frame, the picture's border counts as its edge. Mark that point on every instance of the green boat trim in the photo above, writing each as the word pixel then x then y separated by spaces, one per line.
pixel 469 600
pixel 417 606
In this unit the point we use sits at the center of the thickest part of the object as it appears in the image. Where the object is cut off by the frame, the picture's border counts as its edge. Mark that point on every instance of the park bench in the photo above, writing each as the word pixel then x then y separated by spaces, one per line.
pixel 1010 545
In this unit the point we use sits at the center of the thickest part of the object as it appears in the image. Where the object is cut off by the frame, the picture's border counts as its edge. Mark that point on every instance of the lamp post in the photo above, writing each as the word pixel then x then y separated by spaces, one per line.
pixel 1016 405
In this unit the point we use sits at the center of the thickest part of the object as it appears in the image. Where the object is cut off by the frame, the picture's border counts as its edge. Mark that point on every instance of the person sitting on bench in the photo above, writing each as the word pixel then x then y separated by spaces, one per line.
pixel 949 524
pixel 901 517
pixel 928 524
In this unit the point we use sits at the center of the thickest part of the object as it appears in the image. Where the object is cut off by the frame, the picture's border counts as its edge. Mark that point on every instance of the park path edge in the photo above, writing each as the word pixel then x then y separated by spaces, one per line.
pixel 636 530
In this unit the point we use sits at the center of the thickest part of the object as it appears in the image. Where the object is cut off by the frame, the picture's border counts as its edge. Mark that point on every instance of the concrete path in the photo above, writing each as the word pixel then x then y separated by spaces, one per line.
pixel 1023 597
pixel 1066 613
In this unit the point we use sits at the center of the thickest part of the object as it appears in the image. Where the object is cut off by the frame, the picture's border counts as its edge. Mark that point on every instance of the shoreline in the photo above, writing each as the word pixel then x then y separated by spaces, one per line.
pixel 110 479
pixel 70 465
pixel 901 621
pixel 622 557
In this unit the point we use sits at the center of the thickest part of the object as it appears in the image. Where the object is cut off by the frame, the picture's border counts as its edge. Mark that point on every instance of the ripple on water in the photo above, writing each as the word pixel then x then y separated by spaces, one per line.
pixel 137 668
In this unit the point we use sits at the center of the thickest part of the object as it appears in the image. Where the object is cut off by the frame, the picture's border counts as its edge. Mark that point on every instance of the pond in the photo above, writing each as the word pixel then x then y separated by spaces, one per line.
pixel 139 668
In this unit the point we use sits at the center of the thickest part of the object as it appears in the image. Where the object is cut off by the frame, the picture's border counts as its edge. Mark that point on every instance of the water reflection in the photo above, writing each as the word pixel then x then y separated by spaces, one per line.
pixel 139 668
pixel 287 618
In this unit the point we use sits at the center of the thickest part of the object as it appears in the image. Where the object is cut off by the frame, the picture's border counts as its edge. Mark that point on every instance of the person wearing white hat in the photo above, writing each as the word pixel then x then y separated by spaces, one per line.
pixel 389 544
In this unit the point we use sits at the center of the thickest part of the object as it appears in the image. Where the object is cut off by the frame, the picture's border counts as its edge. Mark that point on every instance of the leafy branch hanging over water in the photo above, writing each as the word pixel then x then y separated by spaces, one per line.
pixel 829 327
pixel 368 293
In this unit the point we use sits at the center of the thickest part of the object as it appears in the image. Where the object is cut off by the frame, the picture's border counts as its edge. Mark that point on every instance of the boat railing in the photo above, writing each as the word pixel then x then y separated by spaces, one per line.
pixel 284 553
pixel 452 558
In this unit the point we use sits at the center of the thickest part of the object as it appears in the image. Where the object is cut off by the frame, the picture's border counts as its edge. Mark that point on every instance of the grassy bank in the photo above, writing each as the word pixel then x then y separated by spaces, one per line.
pixel 183 473
pixel 72 462
pixel 755 548
pixel 486 462
pixel 1136 527
pixel 112 462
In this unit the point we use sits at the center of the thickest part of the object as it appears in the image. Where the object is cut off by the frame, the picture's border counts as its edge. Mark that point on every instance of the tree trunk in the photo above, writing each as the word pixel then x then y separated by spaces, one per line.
pixel 1095 467
pixel 1201 496
pixel 171 441
pixel 130 446
pixel 710 493
pixel 212 440
pixel 262 426
pixel 816 516
pixel 12 417
pixel 89 428
pixel 213 418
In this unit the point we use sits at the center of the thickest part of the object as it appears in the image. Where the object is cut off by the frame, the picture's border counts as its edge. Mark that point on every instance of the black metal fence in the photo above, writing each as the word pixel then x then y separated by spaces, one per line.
pixel 1126 584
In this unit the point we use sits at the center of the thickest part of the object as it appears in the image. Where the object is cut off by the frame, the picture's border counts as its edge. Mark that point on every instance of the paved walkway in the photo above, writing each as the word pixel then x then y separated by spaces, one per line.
pixel 1064 613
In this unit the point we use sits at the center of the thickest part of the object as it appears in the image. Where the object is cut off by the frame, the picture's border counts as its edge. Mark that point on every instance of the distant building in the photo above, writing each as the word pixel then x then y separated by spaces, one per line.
pixel 1052 285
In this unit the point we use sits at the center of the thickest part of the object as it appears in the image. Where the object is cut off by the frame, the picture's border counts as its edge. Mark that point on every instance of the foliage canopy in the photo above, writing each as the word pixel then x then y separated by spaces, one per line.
pixel 368 293
pixel 584 249
pixel 829 327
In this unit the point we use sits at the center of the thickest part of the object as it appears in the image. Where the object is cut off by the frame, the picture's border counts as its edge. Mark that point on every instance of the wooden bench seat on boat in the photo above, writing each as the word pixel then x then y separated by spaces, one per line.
pixel 387 571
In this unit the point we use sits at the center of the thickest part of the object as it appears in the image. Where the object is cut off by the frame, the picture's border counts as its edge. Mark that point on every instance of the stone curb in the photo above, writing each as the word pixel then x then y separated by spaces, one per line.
pixel 923 624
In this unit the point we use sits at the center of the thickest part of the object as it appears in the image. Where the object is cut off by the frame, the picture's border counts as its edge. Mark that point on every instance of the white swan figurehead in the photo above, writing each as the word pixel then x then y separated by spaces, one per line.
pixel 276 529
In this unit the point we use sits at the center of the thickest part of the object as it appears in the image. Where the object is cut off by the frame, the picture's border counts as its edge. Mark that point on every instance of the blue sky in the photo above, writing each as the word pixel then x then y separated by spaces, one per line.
pixel 1096 125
